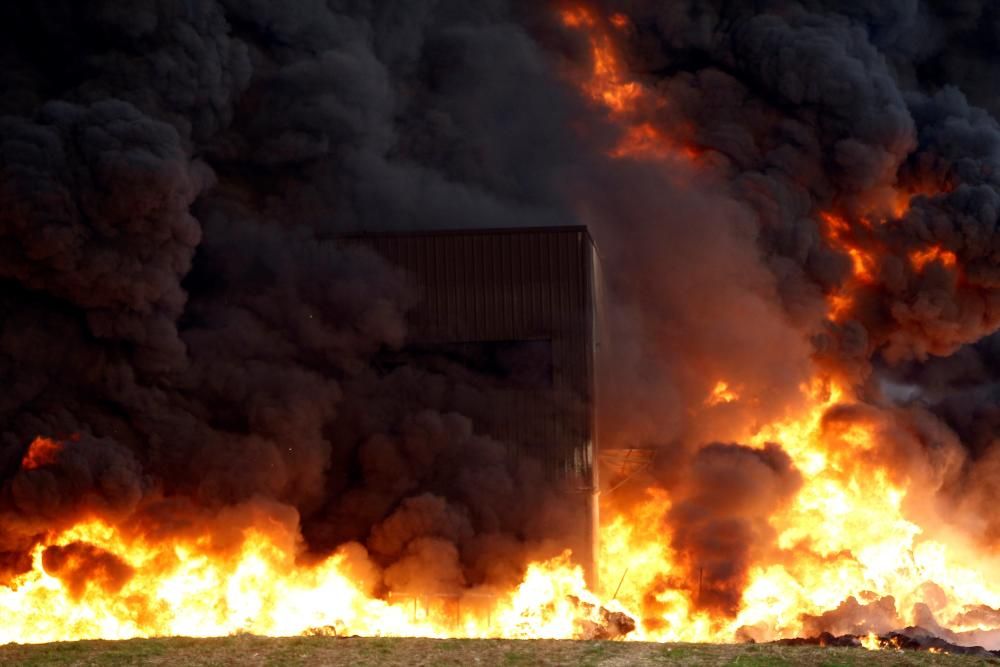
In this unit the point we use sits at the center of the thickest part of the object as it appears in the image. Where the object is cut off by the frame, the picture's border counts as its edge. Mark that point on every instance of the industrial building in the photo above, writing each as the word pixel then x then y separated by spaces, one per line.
pixel 520 305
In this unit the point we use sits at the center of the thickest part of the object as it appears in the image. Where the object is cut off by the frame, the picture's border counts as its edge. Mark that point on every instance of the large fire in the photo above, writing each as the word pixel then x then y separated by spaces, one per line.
pixel 848 537
pixel 845 535
pixel 92 581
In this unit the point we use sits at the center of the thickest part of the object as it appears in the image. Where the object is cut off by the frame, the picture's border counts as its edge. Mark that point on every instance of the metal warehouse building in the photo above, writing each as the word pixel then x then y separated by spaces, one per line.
pixel 519 304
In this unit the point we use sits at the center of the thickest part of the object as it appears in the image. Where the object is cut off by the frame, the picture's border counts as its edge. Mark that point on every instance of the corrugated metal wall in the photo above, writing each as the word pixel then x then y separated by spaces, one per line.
pixel 516 285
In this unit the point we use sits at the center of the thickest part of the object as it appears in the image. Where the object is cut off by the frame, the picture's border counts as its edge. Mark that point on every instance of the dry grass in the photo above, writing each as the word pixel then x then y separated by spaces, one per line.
pixel 249 650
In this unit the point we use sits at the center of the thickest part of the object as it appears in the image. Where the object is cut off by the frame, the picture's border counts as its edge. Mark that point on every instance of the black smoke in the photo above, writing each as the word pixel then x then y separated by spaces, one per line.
pixel 177 309
pixel 174 176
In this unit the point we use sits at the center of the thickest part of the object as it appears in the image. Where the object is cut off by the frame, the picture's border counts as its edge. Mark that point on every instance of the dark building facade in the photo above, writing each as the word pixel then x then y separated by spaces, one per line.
pixel 520 306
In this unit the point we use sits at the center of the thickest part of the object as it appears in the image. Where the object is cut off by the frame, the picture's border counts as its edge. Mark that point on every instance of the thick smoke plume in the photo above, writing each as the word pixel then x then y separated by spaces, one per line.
pixel 178 317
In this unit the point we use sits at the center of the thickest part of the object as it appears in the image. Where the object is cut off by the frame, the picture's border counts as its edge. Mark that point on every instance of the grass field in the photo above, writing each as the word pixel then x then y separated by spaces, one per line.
pixel 249 650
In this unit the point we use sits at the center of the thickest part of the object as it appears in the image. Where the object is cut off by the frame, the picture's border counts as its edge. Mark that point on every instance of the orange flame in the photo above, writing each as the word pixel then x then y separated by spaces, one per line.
pixel 42 452
pixel 609 84
pixel 119 587
pixel 921 258
pixel 839 233
pixel 840 305
pixel 846 533
pixel 871 642
pixel 841 236
pixel 619 21
pixel 721 393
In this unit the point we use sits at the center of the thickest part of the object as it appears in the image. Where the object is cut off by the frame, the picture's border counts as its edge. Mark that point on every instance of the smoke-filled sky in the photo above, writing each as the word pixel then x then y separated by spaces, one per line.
pixel 175 307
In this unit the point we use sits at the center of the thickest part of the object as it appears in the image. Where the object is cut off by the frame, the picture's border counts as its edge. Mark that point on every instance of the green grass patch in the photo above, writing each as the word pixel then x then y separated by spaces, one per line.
pixel 250 651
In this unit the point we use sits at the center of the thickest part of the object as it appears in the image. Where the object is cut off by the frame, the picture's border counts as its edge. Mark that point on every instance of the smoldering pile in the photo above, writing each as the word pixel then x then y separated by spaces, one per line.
pixel 875 624
pixel 908 639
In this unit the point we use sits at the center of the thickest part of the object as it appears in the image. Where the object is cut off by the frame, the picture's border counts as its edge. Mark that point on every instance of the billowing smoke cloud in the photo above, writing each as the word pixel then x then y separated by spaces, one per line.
pixel 803 113
pixel 181 323
pixel 718 533
pixel 176 309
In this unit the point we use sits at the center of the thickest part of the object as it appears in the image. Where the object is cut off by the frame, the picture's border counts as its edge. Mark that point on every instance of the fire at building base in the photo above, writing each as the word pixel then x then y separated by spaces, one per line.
pixel 243 389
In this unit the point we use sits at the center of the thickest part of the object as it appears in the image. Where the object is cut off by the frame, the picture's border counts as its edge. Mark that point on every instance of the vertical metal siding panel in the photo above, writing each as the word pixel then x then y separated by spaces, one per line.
pixel 528 271
pixel 492 288
pixel 424 259
pixel 564 410
pixel 478 261
pixel 503 280
pixel 518 286
pixel 444 297
pixel 482 286
pixel 535 283
pixel 454 288
pixel 545 276
pixel 468 321
pixel 559 304
pixel 410 258
pixel 553 280
pixel 563 285
pixel 530 285
pixel 523 285
pixel 419 250
pixel 493 291
pixel 537 260
pixel 562 282
pixel 461 294
pixel 429 271
pixel 549 264
pixel 448 295
pixel 513 285
pixel 504 284
pixel 458 277
pixel 442 264
pixel 579 452
pixel 582 436
pixel 404 251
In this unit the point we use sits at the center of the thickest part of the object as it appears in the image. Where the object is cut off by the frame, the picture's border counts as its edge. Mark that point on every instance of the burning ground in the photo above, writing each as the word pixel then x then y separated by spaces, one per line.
pixel 796 210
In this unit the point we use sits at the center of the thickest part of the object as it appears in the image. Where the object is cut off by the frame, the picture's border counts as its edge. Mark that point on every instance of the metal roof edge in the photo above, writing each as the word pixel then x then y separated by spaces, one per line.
pixel 466 232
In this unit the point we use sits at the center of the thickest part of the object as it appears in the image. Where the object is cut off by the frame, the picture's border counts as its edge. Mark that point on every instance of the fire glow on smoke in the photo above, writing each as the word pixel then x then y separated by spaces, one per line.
pixel 845 534
pixel 849 549
pixel 90 581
